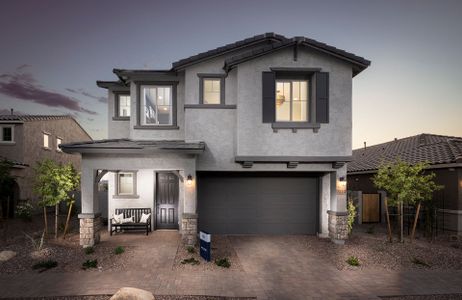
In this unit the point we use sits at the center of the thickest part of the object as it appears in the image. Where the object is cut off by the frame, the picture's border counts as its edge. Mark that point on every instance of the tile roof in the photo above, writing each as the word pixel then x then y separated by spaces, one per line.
pixel 430 148
pixel 26 118
pixel 15 163
pixel 229 47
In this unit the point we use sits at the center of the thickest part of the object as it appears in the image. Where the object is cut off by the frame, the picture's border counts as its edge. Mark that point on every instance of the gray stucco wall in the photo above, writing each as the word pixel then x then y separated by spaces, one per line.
pixel 117 129
pixel 257 138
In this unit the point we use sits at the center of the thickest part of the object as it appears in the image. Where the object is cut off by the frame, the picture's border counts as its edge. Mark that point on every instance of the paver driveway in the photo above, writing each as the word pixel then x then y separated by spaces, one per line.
pixel 274 267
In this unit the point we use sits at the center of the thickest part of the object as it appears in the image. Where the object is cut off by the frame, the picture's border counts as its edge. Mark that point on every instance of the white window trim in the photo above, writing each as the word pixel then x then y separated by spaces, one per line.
pixel 291 81
pixel 12 134
pixel 116 185
pixel 141 124
pixel 49 140
pixel 57 145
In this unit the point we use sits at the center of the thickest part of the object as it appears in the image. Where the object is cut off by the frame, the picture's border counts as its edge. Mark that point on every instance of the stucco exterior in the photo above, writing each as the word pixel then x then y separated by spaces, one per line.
pixel 28 149
pixel 231 129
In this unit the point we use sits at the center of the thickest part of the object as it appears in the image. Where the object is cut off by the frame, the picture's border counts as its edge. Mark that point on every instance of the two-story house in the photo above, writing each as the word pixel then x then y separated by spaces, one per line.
pixel 248 138
pixel 27 139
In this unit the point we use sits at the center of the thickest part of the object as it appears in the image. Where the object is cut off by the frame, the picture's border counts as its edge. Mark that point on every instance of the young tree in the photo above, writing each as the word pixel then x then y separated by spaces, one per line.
pixel 405 184
pixel 73 178
pixel 54 183
pixel 6 183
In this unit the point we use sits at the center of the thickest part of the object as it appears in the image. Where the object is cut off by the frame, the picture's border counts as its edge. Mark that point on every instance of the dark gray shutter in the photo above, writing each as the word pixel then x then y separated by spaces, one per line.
pixel 322 97
pixel 269 96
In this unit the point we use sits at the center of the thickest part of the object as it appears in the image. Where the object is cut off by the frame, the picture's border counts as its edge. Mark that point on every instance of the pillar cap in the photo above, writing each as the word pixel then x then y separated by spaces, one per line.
pixel 189 216
pixel 337 213
pixel 89 215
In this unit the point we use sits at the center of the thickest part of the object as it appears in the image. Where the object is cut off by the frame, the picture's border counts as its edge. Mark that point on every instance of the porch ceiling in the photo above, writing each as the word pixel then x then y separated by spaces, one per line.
pixel 128 146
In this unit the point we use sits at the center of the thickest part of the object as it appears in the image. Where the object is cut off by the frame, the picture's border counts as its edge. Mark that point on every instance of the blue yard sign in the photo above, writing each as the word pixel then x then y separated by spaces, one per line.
pixel 205 240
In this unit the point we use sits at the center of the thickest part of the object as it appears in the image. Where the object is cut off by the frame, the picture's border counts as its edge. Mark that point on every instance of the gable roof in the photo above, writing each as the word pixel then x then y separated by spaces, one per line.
pixel 430 148
pixel 269 36
pixel 32 118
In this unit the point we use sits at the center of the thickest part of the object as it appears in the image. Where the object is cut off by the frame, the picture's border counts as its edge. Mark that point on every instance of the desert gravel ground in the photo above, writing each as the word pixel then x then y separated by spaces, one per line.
pixel 425 297
pixel 158 297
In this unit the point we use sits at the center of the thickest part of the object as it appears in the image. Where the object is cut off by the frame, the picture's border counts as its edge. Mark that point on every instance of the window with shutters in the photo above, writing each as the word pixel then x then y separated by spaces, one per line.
pixel 292 101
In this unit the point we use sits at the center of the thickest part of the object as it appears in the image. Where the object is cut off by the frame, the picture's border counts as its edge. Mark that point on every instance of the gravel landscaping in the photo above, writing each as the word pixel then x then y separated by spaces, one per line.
pixel 221 248
pixel 425 297
pixel 374 251
pixel 157 297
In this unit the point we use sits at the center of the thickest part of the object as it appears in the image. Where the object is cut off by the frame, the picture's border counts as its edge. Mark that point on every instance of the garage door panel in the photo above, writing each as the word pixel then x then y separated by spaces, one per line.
pixel 258 204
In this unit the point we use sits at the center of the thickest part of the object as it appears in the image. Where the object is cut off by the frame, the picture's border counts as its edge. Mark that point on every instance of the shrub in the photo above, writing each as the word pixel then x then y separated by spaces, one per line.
pixel 223 262
pixel 191 261
pixel 419 262
pixel 90 263
pixel 119 250
pixel 24 211
pixel 88 250
pixel 353 261
pixel 191 249
pixel 351 215
pixel 37 244
pixel 45 265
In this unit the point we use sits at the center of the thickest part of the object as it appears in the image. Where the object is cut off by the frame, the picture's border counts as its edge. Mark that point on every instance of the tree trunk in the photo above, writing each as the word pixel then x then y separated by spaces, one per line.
pixel 45 218
pixel 67 220
pixel 415 222
pixel 388 221
pixel 56 221
pixel 401 222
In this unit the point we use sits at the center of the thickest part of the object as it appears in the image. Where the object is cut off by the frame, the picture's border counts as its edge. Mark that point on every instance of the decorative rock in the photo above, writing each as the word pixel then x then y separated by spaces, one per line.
pixel 129 293
pixel 189 229
pixel 7 255
pixel 338 226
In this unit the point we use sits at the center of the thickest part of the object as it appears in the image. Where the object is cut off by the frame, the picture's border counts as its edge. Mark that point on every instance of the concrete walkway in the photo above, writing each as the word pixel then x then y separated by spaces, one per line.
pixel 274 268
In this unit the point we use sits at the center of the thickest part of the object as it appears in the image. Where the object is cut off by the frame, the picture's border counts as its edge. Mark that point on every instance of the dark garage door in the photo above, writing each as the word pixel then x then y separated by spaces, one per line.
pixel 256 203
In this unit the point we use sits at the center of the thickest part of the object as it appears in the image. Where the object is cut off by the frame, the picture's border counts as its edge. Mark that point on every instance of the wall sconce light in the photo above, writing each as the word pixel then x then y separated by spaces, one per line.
pixel 189 180
pixel 341 185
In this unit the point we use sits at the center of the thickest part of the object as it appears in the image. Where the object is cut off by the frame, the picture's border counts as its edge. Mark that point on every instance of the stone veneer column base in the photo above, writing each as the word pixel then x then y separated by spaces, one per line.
pixel 90 226
pixel 189 229
pixel 338 226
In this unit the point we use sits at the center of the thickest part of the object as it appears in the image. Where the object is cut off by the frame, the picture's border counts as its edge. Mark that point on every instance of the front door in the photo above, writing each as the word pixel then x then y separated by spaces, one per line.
pixel 167 201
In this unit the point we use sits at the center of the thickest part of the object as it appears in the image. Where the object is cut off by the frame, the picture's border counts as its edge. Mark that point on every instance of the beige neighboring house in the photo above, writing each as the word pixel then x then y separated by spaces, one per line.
pixel 27 139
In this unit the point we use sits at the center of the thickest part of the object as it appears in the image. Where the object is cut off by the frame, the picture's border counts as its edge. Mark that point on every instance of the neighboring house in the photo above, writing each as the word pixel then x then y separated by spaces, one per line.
pixel 27 139
pixel 248 138
pixel 442 153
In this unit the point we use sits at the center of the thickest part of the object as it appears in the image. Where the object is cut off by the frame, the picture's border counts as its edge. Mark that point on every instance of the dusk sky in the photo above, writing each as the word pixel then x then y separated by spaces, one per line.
pixel 52 53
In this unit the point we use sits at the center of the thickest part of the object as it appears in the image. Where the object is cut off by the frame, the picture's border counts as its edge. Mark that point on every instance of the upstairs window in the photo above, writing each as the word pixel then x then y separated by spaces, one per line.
pixel 59 141
pixel 157 103
pixel 211 89
pixel 46 140
pixel 292 101
pixel 7 134
pixel 123 106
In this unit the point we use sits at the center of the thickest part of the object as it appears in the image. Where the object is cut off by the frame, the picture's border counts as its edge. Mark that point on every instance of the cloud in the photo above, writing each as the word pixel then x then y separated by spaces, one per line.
pixel 23 85
pixel 87 94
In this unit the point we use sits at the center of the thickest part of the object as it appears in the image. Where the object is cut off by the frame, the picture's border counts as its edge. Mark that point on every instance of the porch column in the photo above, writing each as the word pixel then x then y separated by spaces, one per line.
pixel 338 228
pixel 189 217
pixel 324 206
pixel 90 217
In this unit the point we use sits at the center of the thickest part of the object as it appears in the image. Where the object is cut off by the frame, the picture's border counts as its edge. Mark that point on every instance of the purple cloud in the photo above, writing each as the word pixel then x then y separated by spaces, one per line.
pixel 87 94
pixel 23 86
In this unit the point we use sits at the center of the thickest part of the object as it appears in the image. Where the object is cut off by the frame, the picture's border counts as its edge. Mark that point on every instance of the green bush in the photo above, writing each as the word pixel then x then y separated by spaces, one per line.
pixel 89 250
pixel 353 261
pixel 24 211
pixel 45 265
pixel 223 262
pixel 351 215
pixel 191 249
pixel 191 261
pixel 119 250
pixel 90 263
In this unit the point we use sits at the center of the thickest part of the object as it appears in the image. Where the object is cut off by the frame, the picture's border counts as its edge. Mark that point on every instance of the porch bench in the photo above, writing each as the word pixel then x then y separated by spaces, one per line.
pixel 136 214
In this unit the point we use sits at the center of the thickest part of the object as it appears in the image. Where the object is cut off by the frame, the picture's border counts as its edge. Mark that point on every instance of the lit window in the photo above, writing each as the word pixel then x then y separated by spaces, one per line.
pixel 157 104
pixel 291 101
pixel 7 134
pixel 46 140
pixel 124 106
pixel 125 183
pixel 58 142
pixel 212 91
